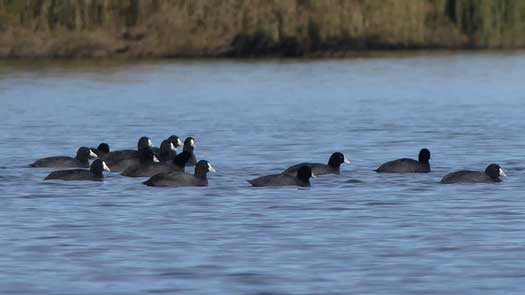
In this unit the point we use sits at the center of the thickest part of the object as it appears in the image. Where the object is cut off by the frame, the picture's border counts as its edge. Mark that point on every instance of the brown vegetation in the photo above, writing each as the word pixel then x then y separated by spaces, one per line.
pixel 169 28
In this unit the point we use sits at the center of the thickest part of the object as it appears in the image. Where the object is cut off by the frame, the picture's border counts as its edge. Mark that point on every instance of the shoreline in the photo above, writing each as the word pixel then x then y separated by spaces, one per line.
pixel 351 54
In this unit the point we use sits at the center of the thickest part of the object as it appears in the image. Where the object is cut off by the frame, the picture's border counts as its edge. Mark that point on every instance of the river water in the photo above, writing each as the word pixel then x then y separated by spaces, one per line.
pixel 357 233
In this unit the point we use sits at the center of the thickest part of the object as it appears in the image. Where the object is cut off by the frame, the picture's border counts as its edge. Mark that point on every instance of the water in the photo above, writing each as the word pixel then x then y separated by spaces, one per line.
pixel 359 233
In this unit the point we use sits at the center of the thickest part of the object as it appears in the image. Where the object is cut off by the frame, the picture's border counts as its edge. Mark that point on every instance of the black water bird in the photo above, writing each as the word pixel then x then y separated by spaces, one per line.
pixel 166 152
pixel 302 178
pixel 333 166
pixel 80 160
pixel 101 150
pixel 492 173
pixel 178 179
pixel 150 169
pixel 189 145
pixel 405 165
pixel 174 139
pixel 95 173
pixel 177 142
pixel 121 159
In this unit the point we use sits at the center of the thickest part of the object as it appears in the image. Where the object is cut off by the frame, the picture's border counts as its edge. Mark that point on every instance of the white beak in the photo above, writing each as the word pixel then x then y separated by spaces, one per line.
pixel 210 168
pixel 192 143
pixel 105 167
pixel 155 160
pixel 92 154
pixel 502 173
pixel 347 161
pixel 179 142
pixel 172 147
pixel 313 175
pixel 149 142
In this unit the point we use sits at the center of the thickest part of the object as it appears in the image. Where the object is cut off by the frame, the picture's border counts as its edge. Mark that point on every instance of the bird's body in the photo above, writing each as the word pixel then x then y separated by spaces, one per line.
pixel 189 146
pixel 93 174
pixel 467 176
pixel 302 178
pixel 277 180
pixel 178 179
pixel 73 174
pixel 150 169
pixel 120 160
pixel 120 155
pixel 406 165
pixel 333 166
pixel 60 162
pixel 121 163
pixel 81 160
pixel 317 169
pixel 491 175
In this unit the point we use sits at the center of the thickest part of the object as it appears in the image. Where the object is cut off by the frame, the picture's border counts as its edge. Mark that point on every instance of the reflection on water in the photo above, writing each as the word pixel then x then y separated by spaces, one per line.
pixel 364 232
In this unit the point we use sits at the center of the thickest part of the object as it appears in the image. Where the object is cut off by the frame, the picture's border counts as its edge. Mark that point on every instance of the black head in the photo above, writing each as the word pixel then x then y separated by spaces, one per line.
pixel 424 156
pixel 304 173
pixel 181 159
pixel 167 151
pixel 494 171
pixel 103 147
pixel 202 168
pixel 167 146
pixel 85 153
pixel 336 159
pixel 146 155
pixel 98 166
pixel 144 142
pixel 175 140
pixel 189 144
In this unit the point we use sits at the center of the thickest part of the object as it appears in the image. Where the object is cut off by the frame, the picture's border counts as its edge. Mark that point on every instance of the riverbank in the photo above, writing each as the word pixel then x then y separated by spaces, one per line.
pixel 253 28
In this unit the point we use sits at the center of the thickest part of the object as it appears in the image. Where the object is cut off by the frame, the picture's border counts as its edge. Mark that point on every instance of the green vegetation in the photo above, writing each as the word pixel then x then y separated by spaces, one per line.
pixel 138 28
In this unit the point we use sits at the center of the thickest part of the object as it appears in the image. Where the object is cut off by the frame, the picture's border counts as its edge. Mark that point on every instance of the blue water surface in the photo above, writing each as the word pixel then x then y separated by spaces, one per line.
pixel 357 233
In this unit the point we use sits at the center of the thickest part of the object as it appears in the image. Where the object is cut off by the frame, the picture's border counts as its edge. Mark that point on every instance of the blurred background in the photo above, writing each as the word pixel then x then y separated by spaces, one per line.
pixel 198 28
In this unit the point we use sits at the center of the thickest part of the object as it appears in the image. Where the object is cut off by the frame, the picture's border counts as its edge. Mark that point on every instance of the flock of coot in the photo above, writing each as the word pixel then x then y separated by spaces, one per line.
pixel 165 167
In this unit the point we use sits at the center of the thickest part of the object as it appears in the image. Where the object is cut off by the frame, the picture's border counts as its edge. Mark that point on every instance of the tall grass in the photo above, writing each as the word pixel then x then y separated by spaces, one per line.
pixel 258 27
